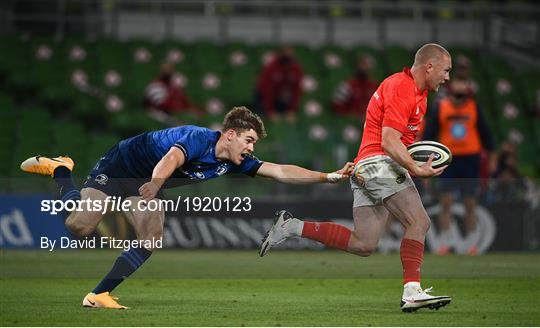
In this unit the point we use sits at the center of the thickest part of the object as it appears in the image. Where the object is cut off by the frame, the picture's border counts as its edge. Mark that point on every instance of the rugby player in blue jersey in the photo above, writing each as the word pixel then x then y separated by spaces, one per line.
pixel 137 168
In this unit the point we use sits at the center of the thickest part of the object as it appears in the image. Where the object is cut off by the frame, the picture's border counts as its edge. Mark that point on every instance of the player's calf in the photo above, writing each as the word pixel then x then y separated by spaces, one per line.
pixel 330 234
pixel 361 248
pixel 148 224
pixel 154 233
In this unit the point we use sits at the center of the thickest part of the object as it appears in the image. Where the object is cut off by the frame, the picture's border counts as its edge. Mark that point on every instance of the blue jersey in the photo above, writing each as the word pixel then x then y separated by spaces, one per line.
pixel 140 154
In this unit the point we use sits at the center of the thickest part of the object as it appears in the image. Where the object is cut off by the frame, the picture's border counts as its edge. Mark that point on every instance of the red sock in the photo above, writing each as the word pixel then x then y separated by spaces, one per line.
pixel 331 234
pixel 412 255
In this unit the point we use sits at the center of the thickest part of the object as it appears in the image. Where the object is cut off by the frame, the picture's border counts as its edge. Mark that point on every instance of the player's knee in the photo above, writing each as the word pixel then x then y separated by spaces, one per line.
pixel 77 226
pixel 424 223
pixel 78 229
pixel 361 248
pixel 153 240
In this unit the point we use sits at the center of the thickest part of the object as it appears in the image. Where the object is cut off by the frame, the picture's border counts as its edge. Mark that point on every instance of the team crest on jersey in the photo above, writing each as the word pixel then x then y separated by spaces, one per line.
pixel 222 169
pixel 101 179
pixel 400 178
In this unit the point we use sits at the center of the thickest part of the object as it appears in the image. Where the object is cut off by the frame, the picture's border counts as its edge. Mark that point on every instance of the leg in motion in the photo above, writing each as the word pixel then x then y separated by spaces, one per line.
pixel 407 207
pixel 148 226
pixel 369 225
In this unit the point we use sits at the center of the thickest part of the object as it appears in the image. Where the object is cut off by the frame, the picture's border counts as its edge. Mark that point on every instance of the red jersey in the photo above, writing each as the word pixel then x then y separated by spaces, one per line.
pixel 398 104
pixel 352 97
pixel 280 83
pixel 166 97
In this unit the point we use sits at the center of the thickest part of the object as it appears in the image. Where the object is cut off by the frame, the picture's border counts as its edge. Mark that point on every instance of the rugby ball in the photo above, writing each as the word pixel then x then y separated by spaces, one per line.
pixel 421 150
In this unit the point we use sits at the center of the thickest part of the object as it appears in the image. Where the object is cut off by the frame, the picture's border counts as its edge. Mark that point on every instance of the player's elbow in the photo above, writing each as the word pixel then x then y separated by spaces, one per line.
pixel 386 144
pixel 175 160
pixel 389 138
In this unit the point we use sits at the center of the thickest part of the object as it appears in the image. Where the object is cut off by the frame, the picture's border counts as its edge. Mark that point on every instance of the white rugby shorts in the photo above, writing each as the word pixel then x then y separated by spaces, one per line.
pixel 382 177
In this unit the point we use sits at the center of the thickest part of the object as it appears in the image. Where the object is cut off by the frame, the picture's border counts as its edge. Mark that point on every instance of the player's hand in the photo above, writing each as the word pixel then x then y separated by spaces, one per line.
pixel 347 169
pixel 148 191
pixel 427 171
pixel 342 174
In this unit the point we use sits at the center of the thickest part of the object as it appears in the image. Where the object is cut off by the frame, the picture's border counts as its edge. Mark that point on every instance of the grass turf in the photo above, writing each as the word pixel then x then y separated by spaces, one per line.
pixel 236 288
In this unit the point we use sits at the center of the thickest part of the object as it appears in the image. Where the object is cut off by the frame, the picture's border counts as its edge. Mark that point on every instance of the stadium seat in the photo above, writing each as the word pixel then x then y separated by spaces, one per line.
pixel 397 58
pixel 241 73
pixel 309 58
pixel 43 74
pixel 128 124
pixel 207 56
pixel 379 70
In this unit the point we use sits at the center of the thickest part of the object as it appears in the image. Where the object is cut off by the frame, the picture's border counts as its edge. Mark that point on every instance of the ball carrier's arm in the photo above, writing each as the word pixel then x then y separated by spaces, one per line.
pixel 392 145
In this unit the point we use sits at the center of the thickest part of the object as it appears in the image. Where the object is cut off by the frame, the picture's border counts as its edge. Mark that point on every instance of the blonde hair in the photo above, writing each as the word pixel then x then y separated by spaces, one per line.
pixel 428 52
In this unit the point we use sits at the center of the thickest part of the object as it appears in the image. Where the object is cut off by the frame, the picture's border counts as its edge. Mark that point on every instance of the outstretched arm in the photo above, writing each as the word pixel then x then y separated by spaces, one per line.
pixel 164 169
pixel 298 175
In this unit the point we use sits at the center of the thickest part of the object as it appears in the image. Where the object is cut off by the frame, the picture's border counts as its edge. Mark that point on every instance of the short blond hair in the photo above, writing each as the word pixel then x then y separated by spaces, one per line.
pixel 429 52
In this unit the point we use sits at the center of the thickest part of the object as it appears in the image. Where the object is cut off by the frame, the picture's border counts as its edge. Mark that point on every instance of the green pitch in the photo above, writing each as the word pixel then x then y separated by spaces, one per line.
pixel 237 288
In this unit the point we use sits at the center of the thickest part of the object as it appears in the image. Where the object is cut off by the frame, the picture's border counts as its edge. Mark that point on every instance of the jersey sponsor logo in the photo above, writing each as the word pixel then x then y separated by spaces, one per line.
pixel 199 175
pixel 412 127
pixel 101 179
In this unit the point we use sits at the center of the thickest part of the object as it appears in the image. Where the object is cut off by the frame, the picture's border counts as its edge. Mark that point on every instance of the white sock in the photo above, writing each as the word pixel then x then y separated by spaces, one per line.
pixel 412 284
pixel 295 227
pixel 411 288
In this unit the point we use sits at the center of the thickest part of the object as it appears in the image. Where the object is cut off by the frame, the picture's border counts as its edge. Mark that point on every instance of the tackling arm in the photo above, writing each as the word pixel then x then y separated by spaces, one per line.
pixel 298 175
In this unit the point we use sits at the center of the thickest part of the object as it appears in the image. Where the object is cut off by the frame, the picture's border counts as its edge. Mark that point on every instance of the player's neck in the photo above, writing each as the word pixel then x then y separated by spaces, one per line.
pixel 222 153
pixel 418 78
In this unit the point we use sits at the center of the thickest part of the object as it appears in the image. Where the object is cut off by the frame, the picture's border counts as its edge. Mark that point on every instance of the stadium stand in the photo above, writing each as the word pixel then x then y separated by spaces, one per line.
pixel 95 88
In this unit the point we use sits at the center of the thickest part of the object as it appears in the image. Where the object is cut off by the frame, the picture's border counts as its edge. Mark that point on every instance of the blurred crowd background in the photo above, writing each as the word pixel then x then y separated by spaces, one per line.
pixel 78 76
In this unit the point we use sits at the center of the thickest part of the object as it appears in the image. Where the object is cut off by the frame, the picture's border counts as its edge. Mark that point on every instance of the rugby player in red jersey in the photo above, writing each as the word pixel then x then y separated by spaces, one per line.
pixel 382 184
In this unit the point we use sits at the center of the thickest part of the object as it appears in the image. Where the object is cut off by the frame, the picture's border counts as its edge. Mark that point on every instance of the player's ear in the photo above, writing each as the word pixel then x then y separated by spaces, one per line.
pixel 230 134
